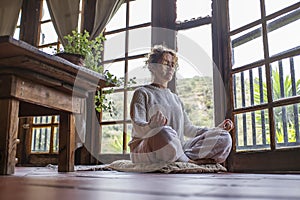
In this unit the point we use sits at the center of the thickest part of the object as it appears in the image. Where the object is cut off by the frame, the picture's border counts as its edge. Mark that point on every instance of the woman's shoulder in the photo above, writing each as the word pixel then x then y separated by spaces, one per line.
pixel 142 88
pixel 146 88
pixel 152 90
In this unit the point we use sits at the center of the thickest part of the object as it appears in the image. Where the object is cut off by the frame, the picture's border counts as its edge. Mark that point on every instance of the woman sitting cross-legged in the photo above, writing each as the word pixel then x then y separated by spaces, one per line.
pixel 160 121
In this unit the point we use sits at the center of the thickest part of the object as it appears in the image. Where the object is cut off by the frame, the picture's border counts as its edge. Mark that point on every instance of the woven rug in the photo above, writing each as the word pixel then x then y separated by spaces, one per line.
pixel 174 167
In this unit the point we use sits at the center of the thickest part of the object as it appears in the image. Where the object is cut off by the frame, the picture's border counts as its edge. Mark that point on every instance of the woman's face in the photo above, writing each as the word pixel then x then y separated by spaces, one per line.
pixel 164 71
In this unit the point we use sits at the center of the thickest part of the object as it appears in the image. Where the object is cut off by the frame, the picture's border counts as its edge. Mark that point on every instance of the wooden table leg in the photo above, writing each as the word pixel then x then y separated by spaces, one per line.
pixel 66 142
pixel 8 135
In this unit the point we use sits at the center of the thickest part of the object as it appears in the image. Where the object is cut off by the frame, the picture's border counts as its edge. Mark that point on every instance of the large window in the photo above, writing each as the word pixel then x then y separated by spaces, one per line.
pixel 265 73
pixel 128 39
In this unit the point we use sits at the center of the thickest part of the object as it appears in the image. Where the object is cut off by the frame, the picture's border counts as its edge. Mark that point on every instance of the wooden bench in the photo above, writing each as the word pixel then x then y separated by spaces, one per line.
pixel 34 83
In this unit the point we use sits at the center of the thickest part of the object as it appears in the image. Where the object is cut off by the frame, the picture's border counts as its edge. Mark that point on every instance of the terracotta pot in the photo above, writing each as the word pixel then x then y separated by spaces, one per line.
pixel 74 58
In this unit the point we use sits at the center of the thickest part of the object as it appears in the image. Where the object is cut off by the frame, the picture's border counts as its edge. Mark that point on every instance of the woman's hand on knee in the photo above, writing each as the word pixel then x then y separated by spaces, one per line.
pixel 226 125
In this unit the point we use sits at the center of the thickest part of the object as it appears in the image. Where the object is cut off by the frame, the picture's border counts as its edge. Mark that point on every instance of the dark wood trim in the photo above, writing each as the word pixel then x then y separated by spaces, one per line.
pixel 163 32
pixel 127 28
pixel 281 160
pixel 41 159
pixel 89 15
pixel 163 23
pixel 31 110
pixel 268 74
pixel 123 58
pixel 222 60
pixel 193 23
pixel 66 157
pixel 21 148
pixel 8 135
pixel 29 29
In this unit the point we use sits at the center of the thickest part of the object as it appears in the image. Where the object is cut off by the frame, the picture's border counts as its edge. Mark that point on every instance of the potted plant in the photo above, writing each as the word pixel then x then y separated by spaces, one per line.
pixel 80 45
pixel 82 51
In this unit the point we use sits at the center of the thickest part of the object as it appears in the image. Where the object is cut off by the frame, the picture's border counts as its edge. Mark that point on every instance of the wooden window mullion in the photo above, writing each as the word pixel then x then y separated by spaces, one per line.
pixel 268 74
pixel 294 93
pixel 253 124
pixel 125 111
pixel 51 135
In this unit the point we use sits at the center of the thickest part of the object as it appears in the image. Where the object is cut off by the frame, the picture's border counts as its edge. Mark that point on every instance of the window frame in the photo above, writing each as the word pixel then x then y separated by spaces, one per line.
pixel 52 125
pixel 257 159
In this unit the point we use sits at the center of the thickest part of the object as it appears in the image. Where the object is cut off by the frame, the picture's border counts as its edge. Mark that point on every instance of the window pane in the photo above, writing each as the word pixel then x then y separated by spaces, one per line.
pixel 40 139
pixel 56 119
pixel 17 30
pixel 245 42
pixel 45 12
pixel 129 97
pixel 197 96
pixel 287 125
pixel 129 131
pixel 188 9
pixel 118 99
pixel 194 52
pixel 286 37
pixel 55 139
pixel 139 41
pixel 194 75
pixel 49 50
pixel 42 120
pixel 17 33
pixel 276 5
pixel 116 68
pixel 140 12
pixel 138 70
pixel 119 19
pixel 48 34
pixel 195 40
pixel 243 12
pixel 249 88
pixel 112 139
pixel 286 78
pixel 252 130
pixel 114 46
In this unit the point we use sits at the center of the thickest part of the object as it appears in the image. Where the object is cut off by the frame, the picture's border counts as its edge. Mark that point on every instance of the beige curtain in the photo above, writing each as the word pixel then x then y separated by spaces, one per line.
pixel 105 10
pixel 9 13
pixel 64 14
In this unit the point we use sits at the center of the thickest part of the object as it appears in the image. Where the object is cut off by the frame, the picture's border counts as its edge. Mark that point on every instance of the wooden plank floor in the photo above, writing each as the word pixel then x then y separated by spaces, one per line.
pixel 46 184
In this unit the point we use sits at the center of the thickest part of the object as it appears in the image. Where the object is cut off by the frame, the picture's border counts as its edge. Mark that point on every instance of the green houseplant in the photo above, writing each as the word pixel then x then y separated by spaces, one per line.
pixel 91 50
pixel 80 46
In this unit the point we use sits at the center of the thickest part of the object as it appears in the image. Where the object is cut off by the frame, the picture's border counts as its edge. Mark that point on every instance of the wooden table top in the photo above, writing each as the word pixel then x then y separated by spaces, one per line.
pixel 26 60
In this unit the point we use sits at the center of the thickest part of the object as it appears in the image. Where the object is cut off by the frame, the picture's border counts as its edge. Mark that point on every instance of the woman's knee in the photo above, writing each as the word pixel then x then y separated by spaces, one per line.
pixel 163 137
pixel 226 139
pixel 223 147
